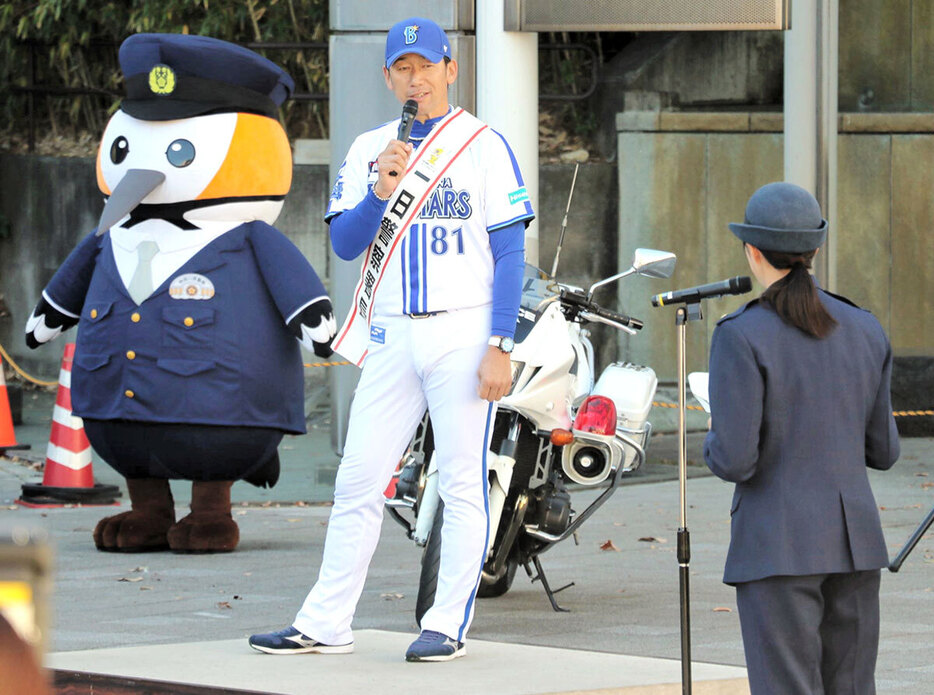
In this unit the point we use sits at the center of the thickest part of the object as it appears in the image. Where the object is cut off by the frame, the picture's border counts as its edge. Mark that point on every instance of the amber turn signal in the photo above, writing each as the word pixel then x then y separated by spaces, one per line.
pixel 561 437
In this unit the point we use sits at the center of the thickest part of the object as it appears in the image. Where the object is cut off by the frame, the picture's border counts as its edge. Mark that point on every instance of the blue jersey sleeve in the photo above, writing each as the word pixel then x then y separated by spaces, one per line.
pixel 353 230
pixel 508 246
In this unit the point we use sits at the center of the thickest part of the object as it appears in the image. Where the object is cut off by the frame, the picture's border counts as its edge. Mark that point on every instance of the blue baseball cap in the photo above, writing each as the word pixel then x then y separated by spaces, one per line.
pixel 417 35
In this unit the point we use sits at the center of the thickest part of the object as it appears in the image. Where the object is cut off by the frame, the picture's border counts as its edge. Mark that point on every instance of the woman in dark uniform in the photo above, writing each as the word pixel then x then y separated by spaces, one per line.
pixel 800 406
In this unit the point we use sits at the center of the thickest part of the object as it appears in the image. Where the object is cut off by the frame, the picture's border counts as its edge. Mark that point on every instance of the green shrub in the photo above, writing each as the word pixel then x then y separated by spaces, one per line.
pixel 74 44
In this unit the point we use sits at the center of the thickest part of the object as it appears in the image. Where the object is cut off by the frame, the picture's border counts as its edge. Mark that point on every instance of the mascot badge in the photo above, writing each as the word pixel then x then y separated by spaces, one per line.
pixel 188 301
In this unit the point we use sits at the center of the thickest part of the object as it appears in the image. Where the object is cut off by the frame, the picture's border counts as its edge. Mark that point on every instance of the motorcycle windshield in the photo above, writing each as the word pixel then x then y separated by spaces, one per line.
pixel 536 288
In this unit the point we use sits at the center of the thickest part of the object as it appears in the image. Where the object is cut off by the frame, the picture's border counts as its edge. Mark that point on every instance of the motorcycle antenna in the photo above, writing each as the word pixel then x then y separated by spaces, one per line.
pixel 564 223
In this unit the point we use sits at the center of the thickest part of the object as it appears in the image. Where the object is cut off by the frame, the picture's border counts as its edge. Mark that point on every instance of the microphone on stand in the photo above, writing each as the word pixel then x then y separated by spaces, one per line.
pixel 409 109
pixel 738 285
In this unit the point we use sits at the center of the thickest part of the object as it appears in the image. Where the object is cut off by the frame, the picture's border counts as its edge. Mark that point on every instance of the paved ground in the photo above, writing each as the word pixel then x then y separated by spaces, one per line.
pixel 625 600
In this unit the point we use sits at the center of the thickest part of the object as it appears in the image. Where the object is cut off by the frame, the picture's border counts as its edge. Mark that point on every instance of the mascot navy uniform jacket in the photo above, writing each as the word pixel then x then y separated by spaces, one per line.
pixel 198 361
pixel 803 504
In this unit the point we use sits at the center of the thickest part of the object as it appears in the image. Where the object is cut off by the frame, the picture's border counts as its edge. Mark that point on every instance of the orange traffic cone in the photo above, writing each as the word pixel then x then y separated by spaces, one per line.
pixel 7 436
pixel 69 476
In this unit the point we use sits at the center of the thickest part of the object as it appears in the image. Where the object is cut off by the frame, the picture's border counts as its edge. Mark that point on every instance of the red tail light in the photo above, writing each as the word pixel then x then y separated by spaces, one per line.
pixel 597 414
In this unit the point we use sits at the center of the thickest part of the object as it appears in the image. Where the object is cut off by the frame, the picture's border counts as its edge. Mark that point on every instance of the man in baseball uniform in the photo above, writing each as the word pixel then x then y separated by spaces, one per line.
pixel 439 221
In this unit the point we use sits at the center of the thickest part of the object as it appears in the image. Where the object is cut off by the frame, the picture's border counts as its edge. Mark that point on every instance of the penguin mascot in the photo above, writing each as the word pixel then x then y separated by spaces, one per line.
pixel 188 301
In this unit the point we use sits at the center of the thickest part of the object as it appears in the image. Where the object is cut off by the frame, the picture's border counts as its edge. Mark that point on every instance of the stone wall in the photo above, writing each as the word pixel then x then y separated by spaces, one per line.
pixel 684 176
pixel 49 204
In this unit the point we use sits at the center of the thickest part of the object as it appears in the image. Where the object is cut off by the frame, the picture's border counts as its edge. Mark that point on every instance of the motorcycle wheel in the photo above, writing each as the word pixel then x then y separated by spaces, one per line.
pixel 501 585
pixel 431 560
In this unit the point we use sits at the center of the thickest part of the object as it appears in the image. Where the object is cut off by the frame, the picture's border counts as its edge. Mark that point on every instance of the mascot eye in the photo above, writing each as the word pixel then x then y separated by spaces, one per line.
pixel 181 153
pixel 119 150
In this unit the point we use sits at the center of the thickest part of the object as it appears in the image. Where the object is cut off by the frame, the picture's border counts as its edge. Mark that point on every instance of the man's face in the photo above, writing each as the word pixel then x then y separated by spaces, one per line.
pixel 415 77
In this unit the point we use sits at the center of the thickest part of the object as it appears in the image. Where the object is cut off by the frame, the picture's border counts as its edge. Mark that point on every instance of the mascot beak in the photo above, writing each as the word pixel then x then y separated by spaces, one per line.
pixel 133 187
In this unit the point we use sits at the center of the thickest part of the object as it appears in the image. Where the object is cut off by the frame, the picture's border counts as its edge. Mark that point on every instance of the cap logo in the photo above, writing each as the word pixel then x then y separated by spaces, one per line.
pixel 411 34
pixel 162 79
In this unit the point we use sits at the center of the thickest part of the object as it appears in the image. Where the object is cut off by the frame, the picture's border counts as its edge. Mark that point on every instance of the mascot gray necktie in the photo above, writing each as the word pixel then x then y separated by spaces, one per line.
pixel 141 284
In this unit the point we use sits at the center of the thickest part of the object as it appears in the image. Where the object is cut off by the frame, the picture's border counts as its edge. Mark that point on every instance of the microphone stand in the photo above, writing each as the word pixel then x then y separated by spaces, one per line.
pixel 912 542
pixel 690 311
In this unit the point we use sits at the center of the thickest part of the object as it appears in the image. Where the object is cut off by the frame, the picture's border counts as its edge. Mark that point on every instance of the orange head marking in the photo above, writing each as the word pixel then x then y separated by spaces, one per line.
pixel 258 161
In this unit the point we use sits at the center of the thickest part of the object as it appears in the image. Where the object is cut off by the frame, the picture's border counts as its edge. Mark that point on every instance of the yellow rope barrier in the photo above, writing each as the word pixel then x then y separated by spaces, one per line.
pixel 656 404
pixel 23 374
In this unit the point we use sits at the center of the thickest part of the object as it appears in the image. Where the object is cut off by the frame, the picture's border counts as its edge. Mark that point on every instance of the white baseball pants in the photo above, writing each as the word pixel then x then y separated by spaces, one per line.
pixel 421 362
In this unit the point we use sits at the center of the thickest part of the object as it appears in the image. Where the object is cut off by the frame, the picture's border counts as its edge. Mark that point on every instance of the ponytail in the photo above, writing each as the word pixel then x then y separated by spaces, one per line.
pixel 795 297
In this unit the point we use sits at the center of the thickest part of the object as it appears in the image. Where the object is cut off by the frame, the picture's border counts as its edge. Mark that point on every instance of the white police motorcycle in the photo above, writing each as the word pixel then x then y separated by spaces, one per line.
pixel 555 431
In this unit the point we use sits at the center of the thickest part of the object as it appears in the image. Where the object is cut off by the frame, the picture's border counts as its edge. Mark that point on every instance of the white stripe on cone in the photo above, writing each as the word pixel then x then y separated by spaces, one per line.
pixel 68 459
pixel 64 417
pixel 64 378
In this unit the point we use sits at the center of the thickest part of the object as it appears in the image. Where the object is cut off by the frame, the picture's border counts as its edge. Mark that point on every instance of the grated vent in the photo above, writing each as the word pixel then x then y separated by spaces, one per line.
pixel 647 15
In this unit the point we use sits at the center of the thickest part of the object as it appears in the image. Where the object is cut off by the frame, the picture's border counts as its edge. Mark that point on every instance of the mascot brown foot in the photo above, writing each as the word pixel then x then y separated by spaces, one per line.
pixel 142 529
pixel 209 528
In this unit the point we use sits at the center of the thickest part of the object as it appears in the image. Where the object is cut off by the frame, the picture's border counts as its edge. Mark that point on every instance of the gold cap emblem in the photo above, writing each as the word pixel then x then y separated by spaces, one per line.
pixel 162 79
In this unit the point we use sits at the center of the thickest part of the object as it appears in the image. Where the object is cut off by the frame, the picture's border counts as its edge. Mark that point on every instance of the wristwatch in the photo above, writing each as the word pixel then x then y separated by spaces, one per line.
pixel 503 343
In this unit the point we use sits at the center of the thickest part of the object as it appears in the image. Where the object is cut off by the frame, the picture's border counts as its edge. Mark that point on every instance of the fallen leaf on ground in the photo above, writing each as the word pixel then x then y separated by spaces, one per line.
pixel 653 539
pixel 130 579
pixel 608 545
pixel 722 609
pixel 224 604
pixel 145 588
pixel 140 569
pixel 391 597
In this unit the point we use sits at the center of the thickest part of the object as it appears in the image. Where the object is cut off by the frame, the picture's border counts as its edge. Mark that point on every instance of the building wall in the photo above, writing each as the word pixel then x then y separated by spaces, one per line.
pixel 49 204
pixel 684 176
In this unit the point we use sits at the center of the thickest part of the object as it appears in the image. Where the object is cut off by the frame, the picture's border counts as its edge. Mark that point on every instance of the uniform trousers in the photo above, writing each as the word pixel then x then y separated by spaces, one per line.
pixel 410 364
pixel 811 635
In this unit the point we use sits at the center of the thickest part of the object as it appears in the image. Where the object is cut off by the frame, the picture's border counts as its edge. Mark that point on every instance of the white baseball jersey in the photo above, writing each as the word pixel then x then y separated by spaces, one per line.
pixel 445 260
pixel 443 264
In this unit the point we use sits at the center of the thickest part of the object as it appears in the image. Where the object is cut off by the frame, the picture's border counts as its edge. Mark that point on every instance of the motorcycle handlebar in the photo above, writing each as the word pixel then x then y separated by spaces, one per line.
pixel 619 318
pixel 584 305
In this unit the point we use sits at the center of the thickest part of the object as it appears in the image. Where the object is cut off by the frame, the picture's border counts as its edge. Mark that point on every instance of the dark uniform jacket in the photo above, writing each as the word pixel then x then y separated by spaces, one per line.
pixel 224 360
pixel 795 423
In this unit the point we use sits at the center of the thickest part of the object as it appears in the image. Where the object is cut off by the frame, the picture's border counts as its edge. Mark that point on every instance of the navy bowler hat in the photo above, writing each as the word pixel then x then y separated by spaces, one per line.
pixel 782 217
pixel 171 76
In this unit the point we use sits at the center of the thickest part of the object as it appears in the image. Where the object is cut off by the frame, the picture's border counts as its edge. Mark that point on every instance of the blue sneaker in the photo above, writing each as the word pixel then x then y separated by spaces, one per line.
pixel 291 641
pixel 434 646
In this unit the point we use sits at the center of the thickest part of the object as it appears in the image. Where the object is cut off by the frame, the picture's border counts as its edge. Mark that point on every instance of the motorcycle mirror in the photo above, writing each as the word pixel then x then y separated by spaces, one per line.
pixel 653 263
pixel 649 262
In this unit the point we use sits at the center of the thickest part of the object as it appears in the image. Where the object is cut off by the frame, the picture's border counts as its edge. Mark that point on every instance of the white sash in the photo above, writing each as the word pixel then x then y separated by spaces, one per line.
pixel 446 142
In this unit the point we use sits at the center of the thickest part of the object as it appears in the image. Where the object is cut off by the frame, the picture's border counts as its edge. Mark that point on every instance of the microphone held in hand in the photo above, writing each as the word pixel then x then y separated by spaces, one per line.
pixel 737 285
pixel 409 109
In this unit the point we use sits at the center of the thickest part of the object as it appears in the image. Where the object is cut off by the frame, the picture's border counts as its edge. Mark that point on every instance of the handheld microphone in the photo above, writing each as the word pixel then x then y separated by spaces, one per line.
pixel 738 285
pixel 409 109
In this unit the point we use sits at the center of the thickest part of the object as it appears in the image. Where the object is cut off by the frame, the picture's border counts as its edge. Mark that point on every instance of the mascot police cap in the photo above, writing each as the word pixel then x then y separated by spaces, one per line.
pixel 173 76
pixel 782 217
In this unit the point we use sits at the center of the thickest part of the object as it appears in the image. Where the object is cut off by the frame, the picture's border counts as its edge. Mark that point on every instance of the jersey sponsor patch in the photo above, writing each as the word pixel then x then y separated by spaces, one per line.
pixel 191 286
pixel 378 334
pixel 520 195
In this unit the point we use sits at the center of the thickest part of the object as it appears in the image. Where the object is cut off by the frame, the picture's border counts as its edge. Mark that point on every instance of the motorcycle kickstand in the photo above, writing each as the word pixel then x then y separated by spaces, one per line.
pixel 540 576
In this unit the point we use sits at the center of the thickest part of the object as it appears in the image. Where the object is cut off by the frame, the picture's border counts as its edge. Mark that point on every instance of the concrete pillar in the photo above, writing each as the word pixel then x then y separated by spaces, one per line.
pixel 507 95
pixel 810 110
